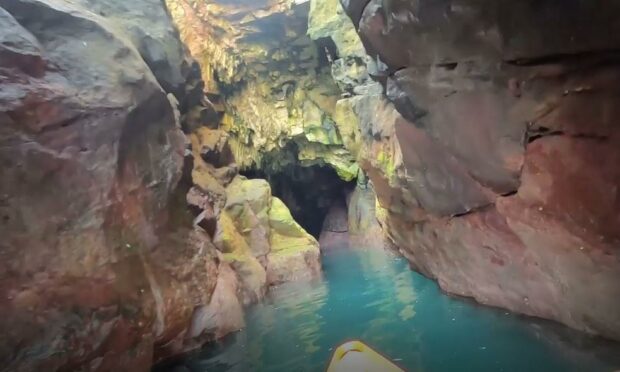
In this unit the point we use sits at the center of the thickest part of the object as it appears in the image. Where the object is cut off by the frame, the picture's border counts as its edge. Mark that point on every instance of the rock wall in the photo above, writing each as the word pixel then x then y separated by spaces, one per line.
pixel 91 152
pixel 494 147
pixel 353 116
pixel 260 239
pixel 271 72
pixel 273 81
pixel 103 266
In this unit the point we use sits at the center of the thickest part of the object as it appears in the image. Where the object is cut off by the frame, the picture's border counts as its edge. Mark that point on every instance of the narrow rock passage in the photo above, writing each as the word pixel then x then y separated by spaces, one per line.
pixel 168 165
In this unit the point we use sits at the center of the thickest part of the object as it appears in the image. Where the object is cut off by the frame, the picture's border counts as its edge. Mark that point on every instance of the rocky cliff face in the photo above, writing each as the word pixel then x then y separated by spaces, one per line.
pixel 103 265
pixel 495 152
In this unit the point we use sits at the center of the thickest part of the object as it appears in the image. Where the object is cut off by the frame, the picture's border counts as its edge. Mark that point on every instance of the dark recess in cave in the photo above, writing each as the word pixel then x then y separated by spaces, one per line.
pixel 327 51
pixel 307 191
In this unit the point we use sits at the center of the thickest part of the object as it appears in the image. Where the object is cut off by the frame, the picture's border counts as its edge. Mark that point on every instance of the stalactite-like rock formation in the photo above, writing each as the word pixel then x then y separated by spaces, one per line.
pixel 496 153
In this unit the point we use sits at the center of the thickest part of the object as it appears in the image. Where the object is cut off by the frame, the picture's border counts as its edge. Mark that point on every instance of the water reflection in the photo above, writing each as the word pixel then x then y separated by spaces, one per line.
pixel 373 296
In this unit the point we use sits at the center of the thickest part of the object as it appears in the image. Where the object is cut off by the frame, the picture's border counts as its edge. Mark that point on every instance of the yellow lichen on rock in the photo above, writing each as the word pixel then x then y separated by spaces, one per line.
pixel 261 241
pixel 328 19
pixel 336 157
pixel 348 125
pixel 252 193
pixel 282 223
pixel 294 253
pixel 274 79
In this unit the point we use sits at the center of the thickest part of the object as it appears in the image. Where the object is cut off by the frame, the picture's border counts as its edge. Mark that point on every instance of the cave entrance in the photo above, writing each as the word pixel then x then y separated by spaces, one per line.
pixel 308 191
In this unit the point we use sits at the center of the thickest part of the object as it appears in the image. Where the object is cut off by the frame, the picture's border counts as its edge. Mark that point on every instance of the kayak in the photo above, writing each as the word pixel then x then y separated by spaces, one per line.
pixel 355 356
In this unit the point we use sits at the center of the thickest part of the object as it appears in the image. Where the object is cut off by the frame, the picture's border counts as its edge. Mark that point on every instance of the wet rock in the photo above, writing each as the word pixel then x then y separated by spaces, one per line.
pixel 294 253
pixel 224 314
pixel 275 80
pixel 483 155
pixel 365 219
pixel 182 274
pixel 251 275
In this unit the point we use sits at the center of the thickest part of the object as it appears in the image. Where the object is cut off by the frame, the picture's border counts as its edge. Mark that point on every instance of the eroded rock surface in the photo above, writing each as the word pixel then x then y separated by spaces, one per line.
pixel 494 157
pixel 273 82
pixel 262 241
pixel 488 132
pixel 91 152
pixel 103 266
pixel 294 253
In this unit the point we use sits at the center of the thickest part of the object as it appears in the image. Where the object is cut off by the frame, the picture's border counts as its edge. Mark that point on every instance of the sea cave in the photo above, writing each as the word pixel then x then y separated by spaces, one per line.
pixel 309 185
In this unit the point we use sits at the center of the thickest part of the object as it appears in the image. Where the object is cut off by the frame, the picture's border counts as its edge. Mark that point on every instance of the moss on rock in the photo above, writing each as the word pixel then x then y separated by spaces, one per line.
pixel 252 193
pixel 227 238
pixel 294 253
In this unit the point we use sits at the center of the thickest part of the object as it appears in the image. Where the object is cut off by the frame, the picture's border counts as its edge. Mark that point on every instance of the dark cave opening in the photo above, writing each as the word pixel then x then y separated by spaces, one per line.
pixel 327 51
pixel 308 191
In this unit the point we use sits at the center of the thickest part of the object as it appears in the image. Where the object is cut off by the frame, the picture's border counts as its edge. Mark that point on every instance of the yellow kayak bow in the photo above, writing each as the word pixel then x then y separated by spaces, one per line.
pixel 355 356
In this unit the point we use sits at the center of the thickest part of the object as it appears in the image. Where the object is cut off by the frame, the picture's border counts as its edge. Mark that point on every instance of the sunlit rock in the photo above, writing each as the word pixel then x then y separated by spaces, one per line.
pixel 274 79
pixel 327 19
pixel 261 240
pixel 294 253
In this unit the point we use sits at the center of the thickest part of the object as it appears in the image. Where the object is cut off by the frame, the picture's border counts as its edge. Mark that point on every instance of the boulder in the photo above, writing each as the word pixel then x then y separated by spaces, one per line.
pixel 251 274
pixel 294 253
pixel 248 203
pixel 261 241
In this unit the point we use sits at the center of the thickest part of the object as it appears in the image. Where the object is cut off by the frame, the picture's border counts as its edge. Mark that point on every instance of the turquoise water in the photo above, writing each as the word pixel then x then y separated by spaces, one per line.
pixel 374 296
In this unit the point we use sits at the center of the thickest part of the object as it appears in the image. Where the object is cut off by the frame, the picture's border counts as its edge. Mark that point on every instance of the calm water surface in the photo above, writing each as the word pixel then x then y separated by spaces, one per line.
pixel 374 296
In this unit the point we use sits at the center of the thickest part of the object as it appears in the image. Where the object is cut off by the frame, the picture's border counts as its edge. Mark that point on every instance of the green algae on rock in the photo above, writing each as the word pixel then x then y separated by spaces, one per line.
pixel 261 240
pixel 275 81
pixel 294 253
